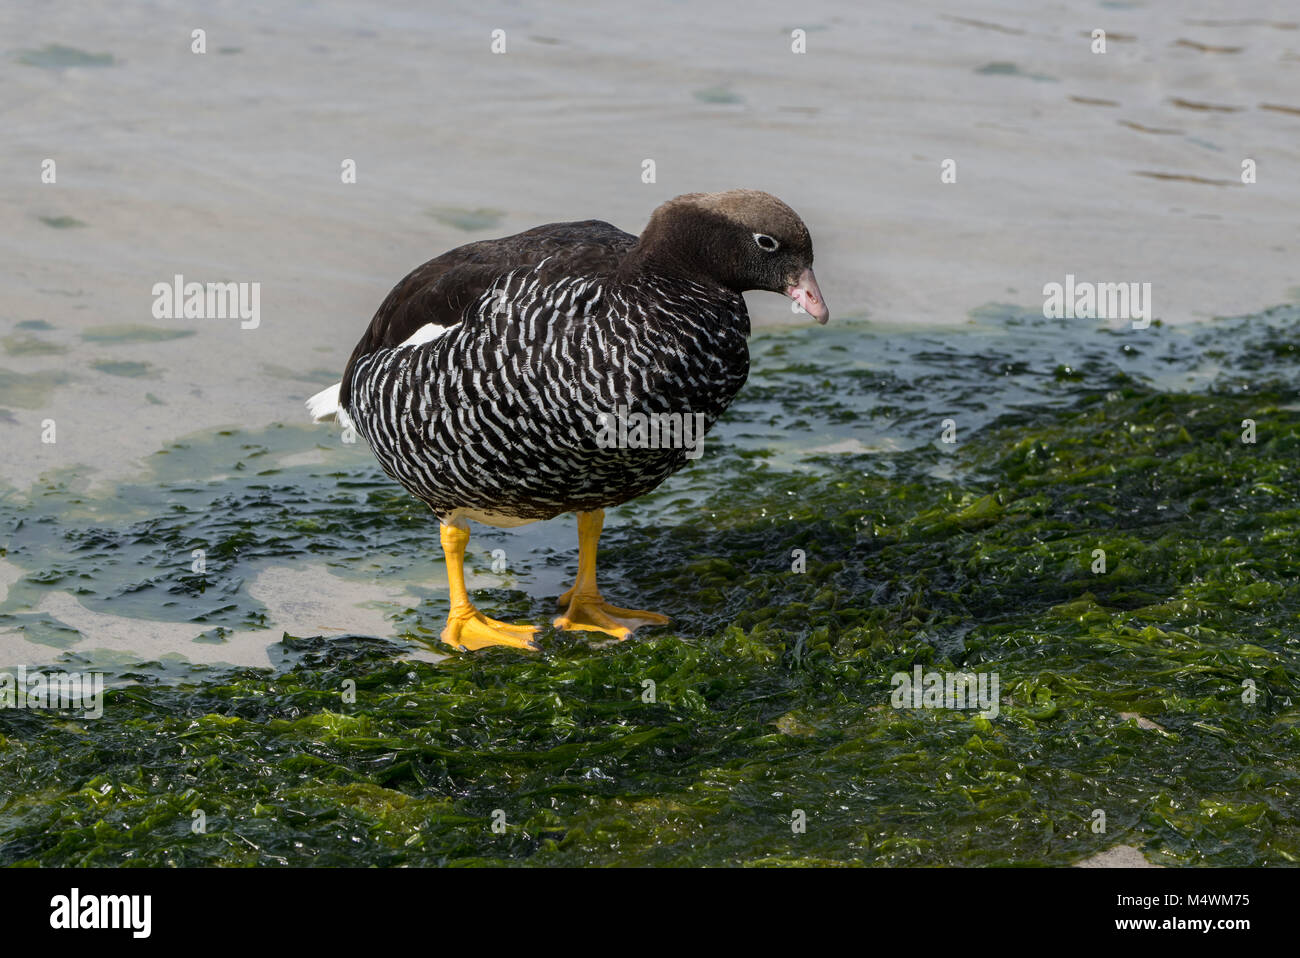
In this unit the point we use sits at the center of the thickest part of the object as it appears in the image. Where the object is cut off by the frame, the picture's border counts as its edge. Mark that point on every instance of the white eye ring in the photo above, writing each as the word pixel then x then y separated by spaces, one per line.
pixel 766 243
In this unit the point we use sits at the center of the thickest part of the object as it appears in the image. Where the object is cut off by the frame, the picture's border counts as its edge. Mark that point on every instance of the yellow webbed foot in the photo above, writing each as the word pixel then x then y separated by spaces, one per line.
pixel 588 612
pixel 469 629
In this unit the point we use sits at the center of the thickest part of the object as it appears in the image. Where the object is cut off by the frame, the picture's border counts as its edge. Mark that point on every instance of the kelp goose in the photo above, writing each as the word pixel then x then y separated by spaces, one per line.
pixel 489 380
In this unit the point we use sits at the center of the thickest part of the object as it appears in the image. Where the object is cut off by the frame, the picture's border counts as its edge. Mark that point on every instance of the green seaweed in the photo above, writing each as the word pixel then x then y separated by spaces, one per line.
pixel 1004 68
pixel 62 222
pixel 24 344
pixel 1162 691
pixel 55 56
pixel 469 220
pixel 120 334
pixel 718 94
pixel 318 375
pixel 125 367
pixel 30 390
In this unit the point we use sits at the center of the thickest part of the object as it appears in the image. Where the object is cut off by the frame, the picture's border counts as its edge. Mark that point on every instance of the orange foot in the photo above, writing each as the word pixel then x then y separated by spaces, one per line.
pixel 469 629
pixel 589 612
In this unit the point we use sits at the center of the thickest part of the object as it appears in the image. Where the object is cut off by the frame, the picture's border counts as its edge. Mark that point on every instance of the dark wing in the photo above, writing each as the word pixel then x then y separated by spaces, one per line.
pixel 439 291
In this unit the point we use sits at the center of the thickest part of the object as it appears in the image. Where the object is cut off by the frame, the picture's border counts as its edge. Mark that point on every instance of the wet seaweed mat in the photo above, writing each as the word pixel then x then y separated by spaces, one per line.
pixel 1161 692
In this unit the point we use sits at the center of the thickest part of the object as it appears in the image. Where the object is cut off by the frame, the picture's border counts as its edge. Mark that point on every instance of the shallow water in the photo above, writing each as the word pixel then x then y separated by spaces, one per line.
pixel 1120 691
pixel 227 166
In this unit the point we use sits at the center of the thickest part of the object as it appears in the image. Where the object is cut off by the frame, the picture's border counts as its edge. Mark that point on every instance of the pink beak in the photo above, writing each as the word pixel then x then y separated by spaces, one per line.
pixel 808 294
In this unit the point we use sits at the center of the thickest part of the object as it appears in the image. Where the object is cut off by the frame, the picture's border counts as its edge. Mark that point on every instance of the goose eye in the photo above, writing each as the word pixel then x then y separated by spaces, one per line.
pixel 766 243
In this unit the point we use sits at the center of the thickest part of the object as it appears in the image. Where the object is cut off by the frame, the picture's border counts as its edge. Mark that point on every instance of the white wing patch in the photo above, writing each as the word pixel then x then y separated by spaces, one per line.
pixel 425 334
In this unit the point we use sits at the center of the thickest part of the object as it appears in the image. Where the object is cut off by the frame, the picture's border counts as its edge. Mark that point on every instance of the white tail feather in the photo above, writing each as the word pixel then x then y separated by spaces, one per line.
pixel 324 406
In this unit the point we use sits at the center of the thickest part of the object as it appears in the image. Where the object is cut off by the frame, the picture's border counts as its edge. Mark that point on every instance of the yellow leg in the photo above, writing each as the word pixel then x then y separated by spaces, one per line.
pixel 467 627
pixel 585 609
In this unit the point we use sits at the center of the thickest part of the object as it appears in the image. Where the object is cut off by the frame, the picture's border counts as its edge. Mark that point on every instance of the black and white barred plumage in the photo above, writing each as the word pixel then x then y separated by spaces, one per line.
pixel 481 380
pixel 497 416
